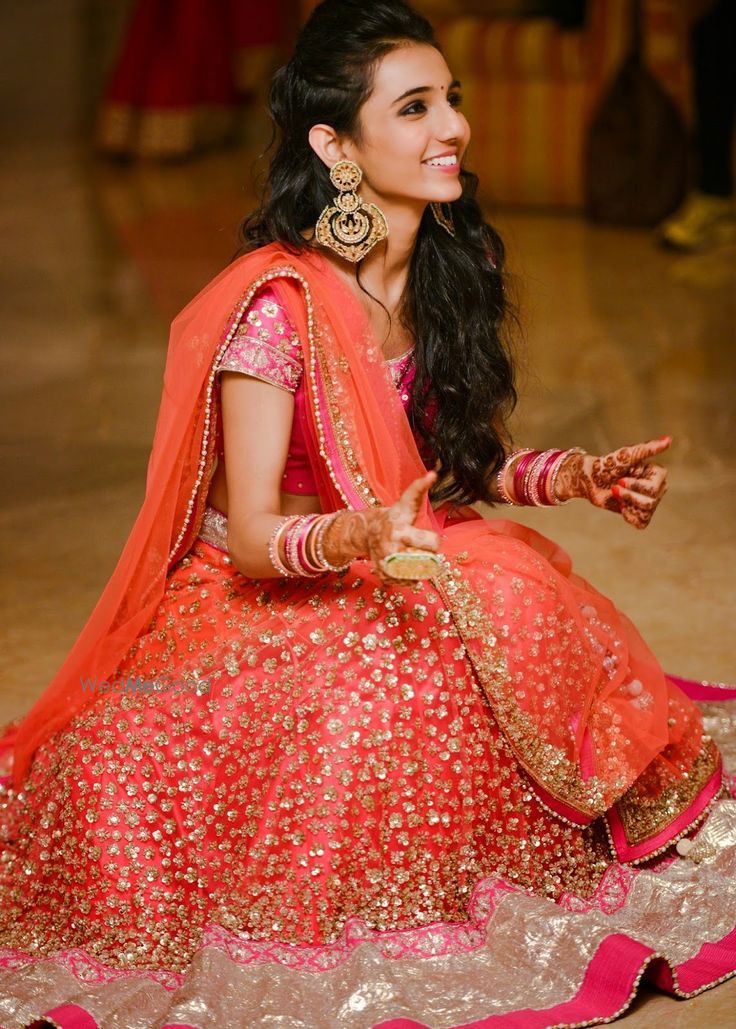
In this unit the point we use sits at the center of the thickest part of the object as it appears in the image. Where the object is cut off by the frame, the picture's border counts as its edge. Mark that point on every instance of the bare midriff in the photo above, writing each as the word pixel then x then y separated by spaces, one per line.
pixel 291 503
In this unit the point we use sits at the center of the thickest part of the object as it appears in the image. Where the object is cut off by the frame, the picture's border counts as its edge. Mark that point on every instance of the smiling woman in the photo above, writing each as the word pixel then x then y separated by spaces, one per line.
pixel 414 771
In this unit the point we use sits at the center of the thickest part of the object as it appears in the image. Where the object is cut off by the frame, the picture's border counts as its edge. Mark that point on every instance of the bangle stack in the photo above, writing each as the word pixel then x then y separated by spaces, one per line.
pixel 303 546
pixel 534 479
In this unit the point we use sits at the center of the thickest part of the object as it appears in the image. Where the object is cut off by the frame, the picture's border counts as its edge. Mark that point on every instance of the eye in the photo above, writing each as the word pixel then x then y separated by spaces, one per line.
pixel 454 99
pixel 411 108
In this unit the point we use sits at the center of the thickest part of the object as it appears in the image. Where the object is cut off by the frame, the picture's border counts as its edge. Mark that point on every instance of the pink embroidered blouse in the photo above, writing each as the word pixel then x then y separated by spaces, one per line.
pixel 267 347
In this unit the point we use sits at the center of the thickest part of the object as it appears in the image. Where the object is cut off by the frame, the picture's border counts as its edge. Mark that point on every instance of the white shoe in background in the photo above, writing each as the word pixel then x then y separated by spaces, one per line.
pixel 701 222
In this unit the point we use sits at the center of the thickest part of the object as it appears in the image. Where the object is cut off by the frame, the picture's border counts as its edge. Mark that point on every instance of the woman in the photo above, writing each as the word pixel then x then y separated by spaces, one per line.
pixel 361 757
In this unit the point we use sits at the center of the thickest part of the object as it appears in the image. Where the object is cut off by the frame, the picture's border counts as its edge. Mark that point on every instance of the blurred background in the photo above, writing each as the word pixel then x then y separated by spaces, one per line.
pixel 133 134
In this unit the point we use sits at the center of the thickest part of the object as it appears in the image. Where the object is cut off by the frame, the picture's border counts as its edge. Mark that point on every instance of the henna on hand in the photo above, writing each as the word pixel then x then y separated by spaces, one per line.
pixel 346 537
pixel 573 478
pixel 624 482
pixel 379 531
pixel 636 509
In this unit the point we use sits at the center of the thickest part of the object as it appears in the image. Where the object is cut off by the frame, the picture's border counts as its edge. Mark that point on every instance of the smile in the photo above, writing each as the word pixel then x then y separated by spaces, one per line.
pixel 448 163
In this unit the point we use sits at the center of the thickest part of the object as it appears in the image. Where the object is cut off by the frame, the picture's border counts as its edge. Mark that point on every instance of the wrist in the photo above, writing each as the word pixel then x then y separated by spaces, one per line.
pixel 572 481
pixel 345 538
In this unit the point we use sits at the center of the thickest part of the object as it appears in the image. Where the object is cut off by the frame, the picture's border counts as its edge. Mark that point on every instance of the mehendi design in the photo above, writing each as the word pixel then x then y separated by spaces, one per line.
pixel 377 532
pixel 571 479
pixel 346 537
pixel 621 481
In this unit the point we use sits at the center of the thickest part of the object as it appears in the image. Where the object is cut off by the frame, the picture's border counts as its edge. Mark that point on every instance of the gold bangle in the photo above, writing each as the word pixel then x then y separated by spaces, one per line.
pixel 273 547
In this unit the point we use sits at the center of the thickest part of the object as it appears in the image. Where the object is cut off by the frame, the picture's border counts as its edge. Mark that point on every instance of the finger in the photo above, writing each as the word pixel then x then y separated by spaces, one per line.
pixel 411 498
pixel 423 539
pixel 643 471
pixel 637 519
pixel 626 457
pixel 636 509
pixel 655 486
pixel 628 496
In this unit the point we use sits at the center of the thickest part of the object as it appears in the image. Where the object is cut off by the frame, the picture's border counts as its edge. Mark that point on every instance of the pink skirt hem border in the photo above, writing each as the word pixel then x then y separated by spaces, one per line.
pixel 610 984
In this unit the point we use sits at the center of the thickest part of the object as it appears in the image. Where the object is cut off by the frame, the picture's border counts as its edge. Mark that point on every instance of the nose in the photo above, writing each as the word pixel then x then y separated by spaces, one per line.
pixel 451 127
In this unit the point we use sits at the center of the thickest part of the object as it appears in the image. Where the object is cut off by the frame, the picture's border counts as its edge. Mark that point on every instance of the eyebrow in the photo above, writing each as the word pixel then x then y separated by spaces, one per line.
pixel 455 84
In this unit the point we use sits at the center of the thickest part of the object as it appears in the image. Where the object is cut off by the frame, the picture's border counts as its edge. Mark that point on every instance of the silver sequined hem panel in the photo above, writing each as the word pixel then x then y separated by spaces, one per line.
pixel 535 954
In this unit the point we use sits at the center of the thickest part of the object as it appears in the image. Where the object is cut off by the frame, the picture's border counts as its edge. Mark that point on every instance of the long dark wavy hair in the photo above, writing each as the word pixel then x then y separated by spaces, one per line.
pixel 454 302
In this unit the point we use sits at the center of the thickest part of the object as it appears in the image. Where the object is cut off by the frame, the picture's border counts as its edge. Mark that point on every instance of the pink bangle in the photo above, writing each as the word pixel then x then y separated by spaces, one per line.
pixel 542 495
pixel 531 480
pixel 502 472
pixel 310 554
pixel 319 535
pixel 295 546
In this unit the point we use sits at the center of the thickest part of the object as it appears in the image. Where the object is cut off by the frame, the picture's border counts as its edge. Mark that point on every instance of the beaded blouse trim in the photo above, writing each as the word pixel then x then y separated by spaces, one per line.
pixel 200 483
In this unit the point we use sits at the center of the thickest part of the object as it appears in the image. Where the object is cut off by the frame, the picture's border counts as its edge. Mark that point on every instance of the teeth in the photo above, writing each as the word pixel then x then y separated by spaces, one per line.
pixel 452 159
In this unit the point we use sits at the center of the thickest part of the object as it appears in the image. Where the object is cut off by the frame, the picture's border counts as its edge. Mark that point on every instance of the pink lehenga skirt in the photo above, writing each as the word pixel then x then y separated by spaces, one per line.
pixel 294 805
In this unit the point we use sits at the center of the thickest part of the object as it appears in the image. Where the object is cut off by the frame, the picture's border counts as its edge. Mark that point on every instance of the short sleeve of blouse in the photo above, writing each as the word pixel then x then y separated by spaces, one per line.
pixel 265 344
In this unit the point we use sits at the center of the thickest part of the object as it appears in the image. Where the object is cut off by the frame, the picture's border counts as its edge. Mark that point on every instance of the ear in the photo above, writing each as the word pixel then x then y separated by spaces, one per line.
pixel 325 142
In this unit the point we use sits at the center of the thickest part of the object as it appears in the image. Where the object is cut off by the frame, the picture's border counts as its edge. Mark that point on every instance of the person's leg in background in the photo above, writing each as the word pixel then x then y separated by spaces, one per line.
pixel 708 215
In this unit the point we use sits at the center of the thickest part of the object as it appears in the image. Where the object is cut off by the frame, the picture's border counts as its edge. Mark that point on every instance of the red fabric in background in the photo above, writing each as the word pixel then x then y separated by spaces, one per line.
pixel 178 53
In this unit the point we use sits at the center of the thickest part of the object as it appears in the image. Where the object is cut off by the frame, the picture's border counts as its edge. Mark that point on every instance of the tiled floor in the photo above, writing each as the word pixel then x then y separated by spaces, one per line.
pixel 620 342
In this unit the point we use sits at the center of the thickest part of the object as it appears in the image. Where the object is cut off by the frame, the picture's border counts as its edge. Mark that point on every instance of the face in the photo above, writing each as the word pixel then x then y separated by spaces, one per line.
pixel 414 134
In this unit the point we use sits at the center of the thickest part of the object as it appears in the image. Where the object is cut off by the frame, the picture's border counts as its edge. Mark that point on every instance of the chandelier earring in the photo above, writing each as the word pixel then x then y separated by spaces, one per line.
pixel 443 216
pixel 351 227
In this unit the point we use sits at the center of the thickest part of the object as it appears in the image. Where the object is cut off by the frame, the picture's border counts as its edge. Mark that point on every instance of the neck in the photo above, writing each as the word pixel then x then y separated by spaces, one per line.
pixel 386 268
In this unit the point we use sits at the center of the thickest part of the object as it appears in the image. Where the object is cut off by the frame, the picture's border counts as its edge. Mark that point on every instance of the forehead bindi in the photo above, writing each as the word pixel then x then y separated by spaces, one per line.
pixel 411 67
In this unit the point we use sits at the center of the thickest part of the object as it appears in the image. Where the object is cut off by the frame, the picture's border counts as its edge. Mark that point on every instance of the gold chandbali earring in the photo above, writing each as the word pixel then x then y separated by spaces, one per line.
pixel 444 217
pixel 351 228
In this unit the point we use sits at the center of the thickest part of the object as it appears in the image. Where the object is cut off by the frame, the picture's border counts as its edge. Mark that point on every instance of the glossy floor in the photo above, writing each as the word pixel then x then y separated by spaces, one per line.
pixel 620 342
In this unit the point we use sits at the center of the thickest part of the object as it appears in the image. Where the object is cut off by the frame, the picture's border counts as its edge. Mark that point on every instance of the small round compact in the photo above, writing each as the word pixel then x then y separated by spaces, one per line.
pixel 412 564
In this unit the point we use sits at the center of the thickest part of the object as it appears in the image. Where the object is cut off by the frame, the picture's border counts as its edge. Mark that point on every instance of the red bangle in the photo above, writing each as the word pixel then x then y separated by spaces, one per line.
pixel 501 476
pixel 531 479
pixel 520 478
pixel 294 546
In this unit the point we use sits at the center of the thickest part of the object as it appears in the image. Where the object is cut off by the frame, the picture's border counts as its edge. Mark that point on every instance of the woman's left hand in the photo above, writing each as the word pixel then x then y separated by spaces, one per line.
pixel 621 481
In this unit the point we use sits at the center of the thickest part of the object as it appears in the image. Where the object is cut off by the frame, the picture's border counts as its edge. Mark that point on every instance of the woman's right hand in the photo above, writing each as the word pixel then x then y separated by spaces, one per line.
pixel 380 531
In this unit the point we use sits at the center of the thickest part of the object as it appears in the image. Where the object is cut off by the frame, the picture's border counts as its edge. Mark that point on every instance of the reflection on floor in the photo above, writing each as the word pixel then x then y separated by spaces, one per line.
pixel 620 343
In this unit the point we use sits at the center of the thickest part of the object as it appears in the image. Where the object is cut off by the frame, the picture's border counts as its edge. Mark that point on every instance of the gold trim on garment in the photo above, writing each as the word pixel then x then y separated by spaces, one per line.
pixel 643 818
pixel 543 762
pixel 201 483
